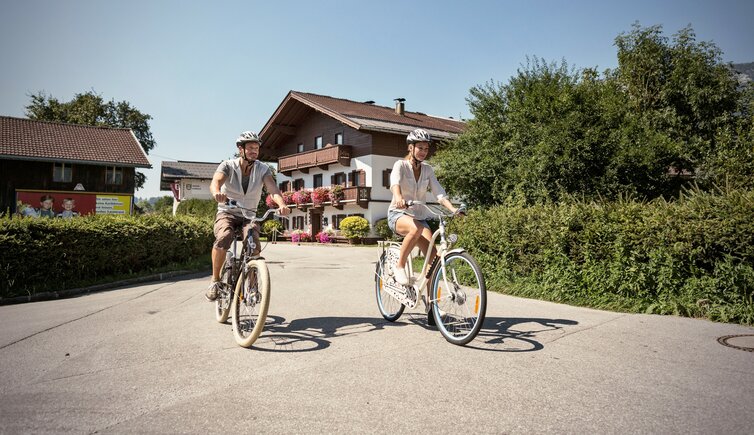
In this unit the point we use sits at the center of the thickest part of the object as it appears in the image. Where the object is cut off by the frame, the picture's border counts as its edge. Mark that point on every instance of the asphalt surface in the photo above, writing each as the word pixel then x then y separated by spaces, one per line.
pixel 150 358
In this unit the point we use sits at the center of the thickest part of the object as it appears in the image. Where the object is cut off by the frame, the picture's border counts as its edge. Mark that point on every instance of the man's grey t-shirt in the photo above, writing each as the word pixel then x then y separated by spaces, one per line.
pixel 245 189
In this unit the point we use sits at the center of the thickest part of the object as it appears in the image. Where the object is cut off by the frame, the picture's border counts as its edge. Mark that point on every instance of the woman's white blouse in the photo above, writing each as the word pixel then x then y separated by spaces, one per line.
pixel 413 190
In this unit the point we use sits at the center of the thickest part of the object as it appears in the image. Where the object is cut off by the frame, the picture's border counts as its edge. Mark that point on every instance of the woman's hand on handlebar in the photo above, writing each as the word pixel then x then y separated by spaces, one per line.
pixel 282 211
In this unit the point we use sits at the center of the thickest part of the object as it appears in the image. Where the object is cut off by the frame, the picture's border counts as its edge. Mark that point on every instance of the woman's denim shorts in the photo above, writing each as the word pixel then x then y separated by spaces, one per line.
pixel 394 214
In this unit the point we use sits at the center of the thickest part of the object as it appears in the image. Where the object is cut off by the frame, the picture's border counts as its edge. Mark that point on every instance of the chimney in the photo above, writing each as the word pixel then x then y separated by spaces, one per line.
pixel 399 106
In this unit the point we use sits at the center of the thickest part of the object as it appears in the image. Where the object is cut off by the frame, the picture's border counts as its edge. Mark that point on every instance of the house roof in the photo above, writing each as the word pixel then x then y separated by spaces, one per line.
pixel 361 116
pixel 172 171
pixel 27 139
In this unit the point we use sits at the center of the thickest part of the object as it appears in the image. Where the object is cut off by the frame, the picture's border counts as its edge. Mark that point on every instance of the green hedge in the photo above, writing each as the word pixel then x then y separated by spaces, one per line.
pixel 38 255
pixel 197 207
pixel 691 257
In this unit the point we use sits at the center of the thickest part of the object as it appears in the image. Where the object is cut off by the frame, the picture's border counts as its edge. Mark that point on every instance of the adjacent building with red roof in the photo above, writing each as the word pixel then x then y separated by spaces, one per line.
pixel 67 160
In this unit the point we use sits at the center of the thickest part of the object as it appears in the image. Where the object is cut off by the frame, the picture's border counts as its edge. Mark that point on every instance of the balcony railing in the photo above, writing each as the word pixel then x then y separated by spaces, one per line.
pixel 321 158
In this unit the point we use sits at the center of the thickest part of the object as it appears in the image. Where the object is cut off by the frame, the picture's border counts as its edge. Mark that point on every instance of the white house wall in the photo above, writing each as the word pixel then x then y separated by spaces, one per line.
pixel 194 189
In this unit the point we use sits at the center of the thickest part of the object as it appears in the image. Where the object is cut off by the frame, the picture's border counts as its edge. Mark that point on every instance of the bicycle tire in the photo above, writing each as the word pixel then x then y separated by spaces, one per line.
pixel 384 300
pixel 249 296
pixel 223 301
pixel 461 317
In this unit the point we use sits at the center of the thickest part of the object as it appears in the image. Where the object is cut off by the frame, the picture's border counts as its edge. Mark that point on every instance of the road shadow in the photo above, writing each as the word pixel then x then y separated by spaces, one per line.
pixel 314 333
pixel 518 334
pixel 498 334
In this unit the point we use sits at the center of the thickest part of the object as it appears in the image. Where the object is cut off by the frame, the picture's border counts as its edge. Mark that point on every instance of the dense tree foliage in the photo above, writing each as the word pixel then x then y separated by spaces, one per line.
pixel 671 113
pixel 90 109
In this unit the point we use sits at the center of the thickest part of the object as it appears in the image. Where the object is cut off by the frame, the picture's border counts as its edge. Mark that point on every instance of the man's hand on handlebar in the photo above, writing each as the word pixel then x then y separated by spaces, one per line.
pixel 221 197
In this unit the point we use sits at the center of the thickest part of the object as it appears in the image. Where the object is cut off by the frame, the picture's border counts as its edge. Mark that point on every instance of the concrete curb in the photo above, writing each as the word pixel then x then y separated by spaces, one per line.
pixel 46 296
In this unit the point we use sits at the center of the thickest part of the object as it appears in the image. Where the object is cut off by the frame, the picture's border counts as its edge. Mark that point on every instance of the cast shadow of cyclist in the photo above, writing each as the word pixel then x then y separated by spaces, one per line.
pixel 316 333
pixel 519 334
pixel 511 334
pixel 498 334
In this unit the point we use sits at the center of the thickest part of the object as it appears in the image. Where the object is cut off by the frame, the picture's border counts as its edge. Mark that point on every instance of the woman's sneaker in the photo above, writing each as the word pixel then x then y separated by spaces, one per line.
pixel 212 290
pixel 400 276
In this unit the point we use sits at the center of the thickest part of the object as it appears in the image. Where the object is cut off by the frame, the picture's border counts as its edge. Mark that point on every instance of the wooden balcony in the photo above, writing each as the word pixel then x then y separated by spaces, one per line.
pixel 321 158
pixel 360 195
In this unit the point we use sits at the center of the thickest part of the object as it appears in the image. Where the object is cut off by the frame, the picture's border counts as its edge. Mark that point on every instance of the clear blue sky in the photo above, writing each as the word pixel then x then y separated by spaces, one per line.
pixel 205 71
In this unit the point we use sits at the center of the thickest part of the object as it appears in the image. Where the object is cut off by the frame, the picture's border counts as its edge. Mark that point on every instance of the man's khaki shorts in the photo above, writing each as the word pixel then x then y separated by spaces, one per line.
pixel 225 225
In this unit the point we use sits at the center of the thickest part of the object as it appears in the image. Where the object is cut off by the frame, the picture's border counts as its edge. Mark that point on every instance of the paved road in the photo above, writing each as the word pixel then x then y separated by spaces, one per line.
pixel 151 359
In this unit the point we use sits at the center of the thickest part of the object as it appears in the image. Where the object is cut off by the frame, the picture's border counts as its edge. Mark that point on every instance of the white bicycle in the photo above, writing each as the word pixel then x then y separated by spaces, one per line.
pixel 454 282
pixel 246 289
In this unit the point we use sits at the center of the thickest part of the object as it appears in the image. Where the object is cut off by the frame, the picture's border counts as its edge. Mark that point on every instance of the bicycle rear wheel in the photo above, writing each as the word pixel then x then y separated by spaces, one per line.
pixel 250 303
pixel 459 308
pixel 389 307
pixel 222 303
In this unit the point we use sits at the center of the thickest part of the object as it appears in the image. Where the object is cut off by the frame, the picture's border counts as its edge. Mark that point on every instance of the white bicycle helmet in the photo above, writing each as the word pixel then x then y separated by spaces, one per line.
pixel 418 135
pixel 246 137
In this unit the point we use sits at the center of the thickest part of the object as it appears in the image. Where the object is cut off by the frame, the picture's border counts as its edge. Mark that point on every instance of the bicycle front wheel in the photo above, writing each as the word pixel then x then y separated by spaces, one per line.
pixel 222 303
pixel 460 303
pixel 389 307
pixel 250 303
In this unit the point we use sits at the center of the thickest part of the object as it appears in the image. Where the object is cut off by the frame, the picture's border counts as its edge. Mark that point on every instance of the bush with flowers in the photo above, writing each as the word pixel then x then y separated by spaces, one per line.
pixel 326 236
pixel 288 197
pixel 301 197
pixel 354 227
pixel 320 195
pixel 298 236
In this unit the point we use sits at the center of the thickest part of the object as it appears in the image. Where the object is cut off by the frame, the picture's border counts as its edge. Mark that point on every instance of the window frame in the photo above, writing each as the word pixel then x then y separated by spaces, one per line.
pixel 116 170
pixel 318 142
pixel 65 169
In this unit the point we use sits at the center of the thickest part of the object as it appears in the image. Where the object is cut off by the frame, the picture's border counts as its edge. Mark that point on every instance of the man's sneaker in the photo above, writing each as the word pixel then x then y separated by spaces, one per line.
pixel 400 276
pixel 212 291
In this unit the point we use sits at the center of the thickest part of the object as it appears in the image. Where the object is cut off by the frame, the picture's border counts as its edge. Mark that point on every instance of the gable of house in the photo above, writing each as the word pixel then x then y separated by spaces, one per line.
pixel 299 108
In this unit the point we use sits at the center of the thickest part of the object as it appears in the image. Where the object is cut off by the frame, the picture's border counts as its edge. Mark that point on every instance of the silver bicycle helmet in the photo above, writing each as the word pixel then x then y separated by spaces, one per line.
pixel 418 135
pixel 246 137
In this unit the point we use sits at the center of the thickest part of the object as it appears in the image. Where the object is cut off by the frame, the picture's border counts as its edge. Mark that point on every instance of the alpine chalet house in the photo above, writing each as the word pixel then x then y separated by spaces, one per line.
pixel 346 147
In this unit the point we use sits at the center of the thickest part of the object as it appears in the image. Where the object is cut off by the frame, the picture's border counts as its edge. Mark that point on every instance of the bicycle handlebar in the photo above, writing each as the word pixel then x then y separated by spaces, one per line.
pixel 460 210
pixel 231 204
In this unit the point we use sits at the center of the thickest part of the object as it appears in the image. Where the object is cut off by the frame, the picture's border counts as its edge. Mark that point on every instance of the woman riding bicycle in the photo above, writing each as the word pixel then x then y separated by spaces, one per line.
pixel 409 181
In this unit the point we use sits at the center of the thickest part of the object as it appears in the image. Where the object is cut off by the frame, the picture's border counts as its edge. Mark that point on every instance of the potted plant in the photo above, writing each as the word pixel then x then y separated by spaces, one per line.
pixel 354 228
pixel 326 236
pixel 320 195
pixel 301 198
pixel 288 197
pixel 336 194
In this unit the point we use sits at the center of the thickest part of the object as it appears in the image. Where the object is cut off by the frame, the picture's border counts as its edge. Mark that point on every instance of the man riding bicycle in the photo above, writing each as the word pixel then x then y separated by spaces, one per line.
pixel 239 179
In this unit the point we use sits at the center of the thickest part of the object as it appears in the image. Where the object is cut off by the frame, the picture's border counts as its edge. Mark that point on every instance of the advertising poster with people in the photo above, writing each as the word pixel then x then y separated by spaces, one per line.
pixel 63 204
